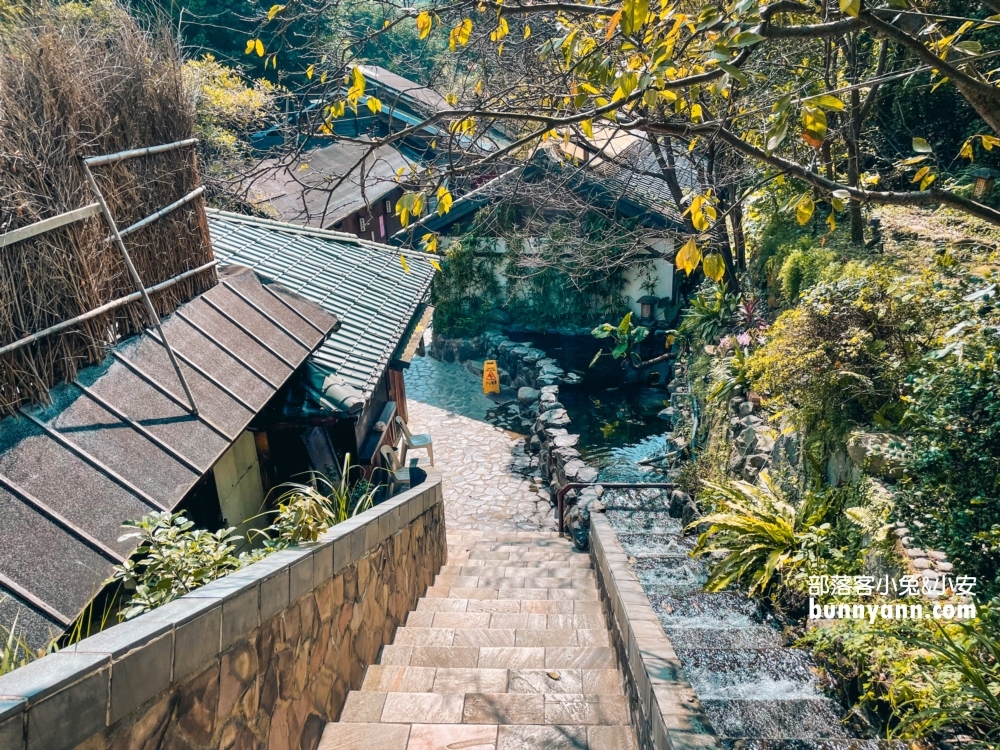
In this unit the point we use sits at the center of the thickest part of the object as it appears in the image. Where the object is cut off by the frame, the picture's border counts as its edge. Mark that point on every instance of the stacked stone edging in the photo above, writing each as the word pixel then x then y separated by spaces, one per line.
pixel 666 712
pixel 263 657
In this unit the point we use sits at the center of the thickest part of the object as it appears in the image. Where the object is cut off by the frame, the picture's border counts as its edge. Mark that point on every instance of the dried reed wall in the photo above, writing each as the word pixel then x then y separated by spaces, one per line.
pixel 87 80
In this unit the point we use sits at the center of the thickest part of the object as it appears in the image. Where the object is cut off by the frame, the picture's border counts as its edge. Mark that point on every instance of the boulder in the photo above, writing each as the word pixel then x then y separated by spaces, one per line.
pixel 528 395
pixel 690 514
pixel 543 407
pixel 877 453
pixel 572 379
pixel 758 461
pixel 745 409
pixel 553 389
pixel 565 441
pixel 678 499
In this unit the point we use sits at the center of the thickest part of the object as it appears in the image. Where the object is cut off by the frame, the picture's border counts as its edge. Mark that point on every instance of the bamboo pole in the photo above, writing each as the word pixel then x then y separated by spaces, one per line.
pixel 134 297
pixel 95 161
pixel 47 225
pixel 154 317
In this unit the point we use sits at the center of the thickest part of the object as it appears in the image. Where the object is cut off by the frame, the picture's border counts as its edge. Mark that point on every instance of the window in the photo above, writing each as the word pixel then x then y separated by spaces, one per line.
pixel 388 206
pixel 381 226
pixel 362 224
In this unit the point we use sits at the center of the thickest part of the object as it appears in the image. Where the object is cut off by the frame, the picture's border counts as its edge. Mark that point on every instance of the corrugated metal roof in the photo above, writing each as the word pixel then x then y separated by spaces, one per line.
pixel 362 283
pixel 119 442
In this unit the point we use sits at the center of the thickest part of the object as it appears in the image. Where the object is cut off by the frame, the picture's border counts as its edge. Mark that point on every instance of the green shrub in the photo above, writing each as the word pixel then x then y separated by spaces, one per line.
pixel 763 534
pixel 803 268
pixel 953 459
pixel 711 310
pixel 843 353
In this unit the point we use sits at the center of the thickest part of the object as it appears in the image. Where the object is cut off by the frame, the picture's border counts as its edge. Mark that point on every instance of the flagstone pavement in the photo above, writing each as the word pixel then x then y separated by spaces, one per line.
pixel 483 488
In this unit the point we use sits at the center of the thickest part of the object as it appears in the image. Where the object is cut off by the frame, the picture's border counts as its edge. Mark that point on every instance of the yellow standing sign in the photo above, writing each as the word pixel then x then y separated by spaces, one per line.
pixel 491 380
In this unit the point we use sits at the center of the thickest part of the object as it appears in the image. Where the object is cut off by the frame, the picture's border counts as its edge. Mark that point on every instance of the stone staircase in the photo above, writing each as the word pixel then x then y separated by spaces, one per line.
pixel 508 650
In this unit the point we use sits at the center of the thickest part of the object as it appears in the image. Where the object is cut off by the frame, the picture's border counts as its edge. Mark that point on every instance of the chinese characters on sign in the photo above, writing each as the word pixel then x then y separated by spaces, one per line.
pixel 908 585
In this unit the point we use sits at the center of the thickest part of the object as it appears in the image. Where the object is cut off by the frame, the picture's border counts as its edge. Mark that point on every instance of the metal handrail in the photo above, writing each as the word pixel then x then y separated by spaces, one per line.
pixel 561 493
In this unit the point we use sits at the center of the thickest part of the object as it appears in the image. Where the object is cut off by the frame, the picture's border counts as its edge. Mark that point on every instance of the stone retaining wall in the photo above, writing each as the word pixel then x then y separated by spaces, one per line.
pixel 262 658
pixel 665 711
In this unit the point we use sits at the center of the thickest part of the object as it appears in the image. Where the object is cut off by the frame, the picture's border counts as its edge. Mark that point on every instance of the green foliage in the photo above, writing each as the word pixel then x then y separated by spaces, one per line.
pixel 844 352
pixel 467 289
pixel 711 310
pixel 763 535
pixel 916 676
pixel 735 374
pixel 14 650
pixel 227 110
pixel 172 559
pixel 627 337
pixel 307 510
pixel 803 268
pixel 953 418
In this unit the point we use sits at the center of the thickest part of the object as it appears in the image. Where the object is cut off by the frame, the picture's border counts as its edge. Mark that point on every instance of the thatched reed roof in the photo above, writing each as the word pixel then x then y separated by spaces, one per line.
pixel 86 80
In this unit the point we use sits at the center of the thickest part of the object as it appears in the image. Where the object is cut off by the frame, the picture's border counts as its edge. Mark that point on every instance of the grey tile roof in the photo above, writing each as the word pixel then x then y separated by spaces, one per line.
pixel 362 283
pixel 119 442
pixel 325 185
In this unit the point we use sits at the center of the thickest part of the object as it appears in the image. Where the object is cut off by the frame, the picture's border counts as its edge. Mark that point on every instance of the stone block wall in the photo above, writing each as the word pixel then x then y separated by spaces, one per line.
pixel 666 712
pixel 262 658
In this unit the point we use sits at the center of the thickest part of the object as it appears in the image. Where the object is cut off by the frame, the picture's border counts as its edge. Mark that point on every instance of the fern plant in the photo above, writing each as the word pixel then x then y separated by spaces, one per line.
pixel 972 701
pixel 759 533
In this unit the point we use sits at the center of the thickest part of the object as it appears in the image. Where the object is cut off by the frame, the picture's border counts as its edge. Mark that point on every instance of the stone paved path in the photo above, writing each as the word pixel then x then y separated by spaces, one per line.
pixel 481 488
pixel 507 651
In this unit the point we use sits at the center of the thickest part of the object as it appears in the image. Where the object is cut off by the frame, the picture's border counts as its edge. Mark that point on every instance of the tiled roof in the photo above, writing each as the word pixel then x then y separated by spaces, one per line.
pixel 362 283
pixel 119 442
pixel 325 185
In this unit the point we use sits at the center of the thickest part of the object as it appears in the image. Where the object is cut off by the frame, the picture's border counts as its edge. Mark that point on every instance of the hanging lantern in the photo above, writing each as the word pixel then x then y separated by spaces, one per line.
pixel 983 186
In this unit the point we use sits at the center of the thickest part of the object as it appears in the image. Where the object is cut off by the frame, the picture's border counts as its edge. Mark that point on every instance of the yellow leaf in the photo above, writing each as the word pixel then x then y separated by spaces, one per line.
pixel 459 35
pixel 418 204
pixel 275 10
pixel 804 210
pixel 613 24
pixel 322 77
pixel 850 7
pixel 431 243
pixel 966 152
pixel 500 31
pixel 927 181
pixel 695 113
pixel 259 46
pixel 424 23
pixel 527 31
pixel 404 264
pixel 714 266
pixel 310 71
pixel 989 141
pixel 634 17
pixel 251 43
pixel 588 128
pixel 436 266
pixel 831 221
pixel 688 257
pixel 374 104
pixel 921 174
pixel 444 200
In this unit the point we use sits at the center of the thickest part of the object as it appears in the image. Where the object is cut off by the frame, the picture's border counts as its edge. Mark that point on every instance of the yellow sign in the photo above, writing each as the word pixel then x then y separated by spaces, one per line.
pixel 491 380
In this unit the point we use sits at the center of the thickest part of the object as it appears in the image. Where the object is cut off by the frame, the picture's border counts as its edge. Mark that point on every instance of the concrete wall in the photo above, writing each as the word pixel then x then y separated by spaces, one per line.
pixel 262 658
pixel 665 710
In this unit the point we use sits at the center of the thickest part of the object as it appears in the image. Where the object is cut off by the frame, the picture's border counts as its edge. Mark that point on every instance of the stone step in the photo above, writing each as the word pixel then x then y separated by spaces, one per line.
pixel 484 568
pixel 513 606
pixel 485 708
pixel 523 581
pixel 406 679
pixel 372 736
pixel 465 592
pixel 505 620
pixel 566 564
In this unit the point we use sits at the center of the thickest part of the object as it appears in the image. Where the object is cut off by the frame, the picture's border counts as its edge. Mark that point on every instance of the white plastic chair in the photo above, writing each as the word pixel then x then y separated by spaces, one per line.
pixel 399 472
pixel 416 441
